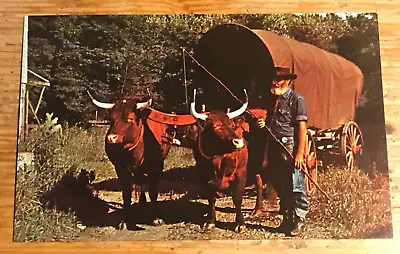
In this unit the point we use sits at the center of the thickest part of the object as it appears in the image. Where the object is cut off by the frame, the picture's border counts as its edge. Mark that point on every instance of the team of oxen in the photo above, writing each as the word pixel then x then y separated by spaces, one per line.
pixel 139 138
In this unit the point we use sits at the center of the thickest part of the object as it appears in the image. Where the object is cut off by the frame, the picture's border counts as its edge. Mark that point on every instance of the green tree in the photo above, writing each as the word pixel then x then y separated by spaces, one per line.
pixel 131 55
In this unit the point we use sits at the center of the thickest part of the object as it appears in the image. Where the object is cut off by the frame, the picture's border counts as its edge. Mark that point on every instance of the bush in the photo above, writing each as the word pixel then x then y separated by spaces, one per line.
pixel 360 206
pixel 57 156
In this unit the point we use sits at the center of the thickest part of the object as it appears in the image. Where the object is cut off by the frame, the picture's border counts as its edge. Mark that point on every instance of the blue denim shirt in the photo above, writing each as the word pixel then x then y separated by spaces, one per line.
pixel 291 108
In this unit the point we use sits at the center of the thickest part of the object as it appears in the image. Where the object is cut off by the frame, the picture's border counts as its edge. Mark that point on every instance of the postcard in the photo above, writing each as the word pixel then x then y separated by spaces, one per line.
pixel 201 127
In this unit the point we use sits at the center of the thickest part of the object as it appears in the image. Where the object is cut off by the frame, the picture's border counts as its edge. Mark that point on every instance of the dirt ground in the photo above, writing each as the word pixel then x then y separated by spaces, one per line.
pixel 183 211
pixel 183 208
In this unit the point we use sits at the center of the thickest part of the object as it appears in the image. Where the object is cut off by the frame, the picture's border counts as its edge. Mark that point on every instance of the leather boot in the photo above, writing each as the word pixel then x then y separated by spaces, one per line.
pixel 298 226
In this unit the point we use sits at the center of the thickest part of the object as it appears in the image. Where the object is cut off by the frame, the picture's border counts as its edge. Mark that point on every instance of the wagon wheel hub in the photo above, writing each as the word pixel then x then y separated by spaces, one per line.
pixel 357 149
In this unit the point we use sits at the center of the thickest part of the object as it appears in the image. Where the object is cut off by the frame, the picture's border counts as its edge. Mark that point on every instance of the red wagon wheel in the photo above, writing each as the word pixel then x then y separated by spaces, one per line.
pixel 310 153
pixel 351 143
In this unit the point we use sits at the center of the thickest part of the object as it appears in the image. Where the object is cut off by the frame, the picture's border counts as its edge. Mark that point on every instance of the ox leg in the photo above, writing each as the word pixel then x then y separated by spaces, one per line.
pixel 210 221
pixel 142 199
pixel 153 193
pixel 126 186
pixel 237 200
pixel 259 188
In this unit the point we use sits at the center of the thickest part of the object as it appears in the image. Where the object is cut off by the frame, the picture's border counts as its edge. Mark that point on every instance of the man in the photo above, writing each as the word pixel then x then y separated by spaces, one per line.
pixel 287 120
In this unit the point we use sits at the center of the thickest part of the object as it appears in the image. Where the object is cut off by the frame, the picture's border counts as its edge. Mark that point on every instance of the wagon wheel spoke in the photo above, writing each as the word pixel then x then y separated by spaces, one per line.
pixel 349 158
pixel 352 142
pixel 350 163
pixel 311 164
pixel 353 132
pixel 357 139
pixel 309 147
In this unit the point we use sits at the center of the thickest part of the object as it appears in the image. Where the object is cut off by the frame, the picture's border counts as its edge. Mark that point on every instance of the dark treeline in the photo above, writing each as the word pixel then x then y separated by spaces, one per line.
pixel 141 56
pixel 129 55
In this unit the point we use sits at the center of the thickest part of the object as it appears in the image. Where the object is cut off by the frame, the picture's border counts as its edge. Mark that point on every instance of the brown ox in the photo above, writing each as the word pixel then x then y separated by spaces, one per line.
pixel 257 140
pixel 134 144
pixel 221 157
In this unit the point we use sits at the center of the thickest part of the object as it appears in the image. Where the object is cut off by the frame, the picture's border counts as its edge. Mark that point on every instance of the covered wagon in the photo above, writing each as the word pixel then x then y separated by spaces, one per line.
pixel 242 58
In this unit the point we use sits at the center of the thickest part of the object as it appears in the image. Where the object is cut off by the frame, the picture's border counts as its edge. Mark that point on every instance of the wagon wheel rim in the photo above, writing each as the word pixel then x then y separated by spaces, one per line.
pixel 351 143
pixel 310 153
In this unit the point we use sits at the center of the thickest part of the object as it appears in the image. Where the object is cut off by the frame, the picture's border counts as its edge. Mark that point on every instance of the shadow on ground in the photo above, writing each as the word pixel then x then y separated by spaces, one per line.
pixel 178 187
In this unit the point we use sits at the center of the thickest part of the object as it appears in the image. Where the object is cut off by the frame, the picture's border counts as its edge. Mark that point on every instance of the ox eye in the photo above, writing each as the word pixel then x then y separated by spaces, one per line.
pixel 218 126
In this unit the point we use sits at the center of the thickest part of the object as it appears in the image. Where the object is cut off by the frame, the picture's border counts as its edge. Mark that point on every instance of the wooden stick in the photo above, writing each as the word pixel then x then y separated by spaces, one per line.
pixel 315 183
pixel 33 111
pixel 251 113
pixel 40 100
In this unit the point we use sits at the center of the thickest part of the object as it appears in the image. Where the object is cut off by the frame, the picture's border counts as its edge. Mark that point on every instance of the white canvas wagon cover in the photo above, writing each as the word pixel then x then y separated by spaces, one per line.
pixel 245 58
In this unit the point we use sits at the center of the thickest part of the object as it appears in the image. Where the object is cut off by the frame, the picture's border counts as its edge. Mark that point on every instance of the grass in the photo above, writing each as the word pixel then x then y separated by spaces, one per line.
pixel 179 157
pixel 63 154
pixel 360 206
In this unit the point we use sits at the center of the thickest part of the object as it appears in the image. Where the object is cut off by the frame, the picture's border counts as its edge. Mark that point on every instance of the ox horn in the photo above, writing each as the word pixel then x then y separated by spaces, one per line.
pixel 193 108
pixel 100 104
pixel 146 104
pixel 241 110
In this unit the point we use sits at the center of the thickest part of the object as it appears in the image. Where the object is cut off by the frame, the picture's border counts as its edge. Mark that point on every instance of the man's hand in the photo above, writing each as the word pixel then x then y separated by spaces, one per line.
pixel 260 123
pixel 298 161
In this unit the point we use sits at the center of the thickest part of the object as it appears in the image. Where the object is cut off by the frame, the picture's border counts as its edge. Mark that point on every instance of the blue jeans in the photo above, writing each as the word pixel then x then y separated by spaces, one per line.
pixel 299 188
pixel 287 180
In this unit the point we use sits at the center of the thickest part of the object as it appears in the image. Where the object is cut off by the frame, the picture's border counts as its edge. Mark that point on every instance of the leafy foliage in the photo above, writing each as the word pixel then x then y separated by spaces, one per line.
pixel 141 56
pixel 58 158
pixel 131 55
pixel 50 125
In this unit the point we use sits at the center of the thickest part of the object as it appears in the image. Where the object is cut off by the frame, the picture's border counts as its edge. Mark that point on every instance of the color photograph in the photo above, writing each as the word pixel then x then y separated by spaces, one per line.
pixel 201 127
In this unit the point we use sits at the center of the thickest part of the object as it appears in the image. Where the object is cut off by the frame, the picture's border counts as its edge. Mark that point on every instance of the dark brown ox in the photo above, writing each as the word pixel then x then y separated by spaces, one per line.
pixel 221 157
pixel 257 139
pixel 134 144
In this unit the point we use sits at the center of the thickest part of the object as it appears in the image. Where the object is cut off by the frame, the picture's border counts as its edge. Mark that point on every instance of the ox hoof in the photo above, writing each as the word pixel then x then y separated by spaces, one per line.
pixel 209 226
pixel 158 222
pixel 126 226
pixel 240 228
pixel 256 213
pixel 122 225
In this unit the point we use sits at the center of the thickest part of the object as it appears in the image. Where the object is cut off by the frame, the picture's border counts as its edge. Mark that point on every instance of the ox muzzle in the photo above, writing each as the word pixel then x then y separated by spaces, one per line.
pixel 113 138
pixel 238 143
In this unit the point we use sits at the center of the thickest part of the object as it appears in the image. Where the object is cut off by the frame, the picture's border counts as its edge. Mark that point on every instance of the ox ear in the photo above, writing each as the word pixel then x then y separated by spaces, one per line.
pixel 239 120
